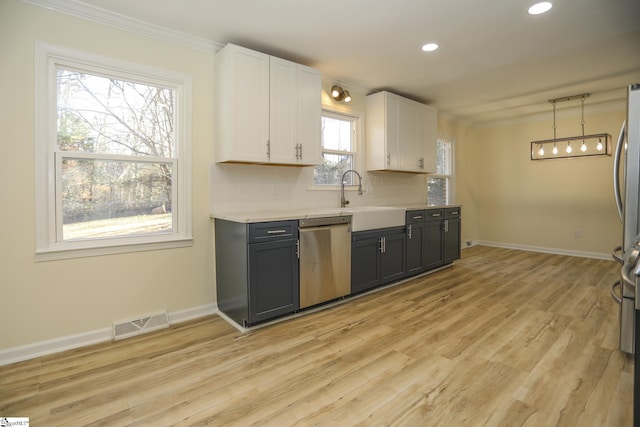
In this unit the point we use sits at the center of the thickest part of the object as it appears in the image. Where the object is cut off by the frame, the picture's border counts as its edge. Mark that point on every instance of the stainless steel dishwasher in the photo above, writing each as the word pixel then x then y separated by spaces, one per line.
pixel 325 259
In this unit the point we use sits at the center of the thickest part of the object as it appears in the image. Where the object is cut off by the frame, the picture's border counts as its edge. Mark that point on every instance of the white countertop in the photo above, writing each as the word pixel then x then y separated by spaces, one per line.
pixel 294 214
pixel 277 215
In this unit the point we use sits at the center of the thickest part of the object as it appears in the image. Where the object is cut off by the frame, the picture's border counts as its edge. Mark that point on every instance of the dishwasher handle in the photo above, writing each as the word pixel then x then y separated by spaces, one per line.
pixel 324 227
pixel 324 221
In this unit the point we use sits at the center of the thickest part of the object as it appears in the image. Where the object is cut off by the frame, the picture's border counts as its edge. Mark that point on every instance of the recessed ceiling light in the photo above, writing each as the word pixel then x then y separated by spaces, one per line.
pixel 429 47
pixel 539 8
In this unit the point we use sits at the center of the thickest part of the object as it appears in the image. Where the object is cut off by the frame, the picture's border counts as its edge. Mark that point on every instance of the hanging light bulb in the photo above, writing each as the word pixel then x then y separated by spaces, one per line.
pixel 583 147
pixel 569 149
pixel 541 151
pixel 599 145
pixel 555 149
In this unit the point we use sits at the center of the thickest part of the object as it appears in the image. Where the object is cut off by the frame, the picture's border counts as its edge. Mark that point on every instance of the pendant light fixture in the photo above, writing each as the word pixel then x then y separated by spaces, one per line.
pixel 601 142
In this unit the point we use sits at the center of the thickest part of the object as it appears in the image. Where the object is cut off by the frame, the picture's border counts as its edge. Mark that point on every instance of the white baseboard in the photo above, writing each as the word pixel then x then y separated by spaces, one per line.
pixel 69 342
pixel 554 251
pixel 192 313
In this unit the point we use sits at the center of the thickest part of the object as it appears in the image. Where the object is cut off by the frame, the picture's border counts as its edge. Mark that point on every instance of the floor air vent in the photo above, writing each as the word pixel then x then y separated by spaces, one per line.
pixel 130 328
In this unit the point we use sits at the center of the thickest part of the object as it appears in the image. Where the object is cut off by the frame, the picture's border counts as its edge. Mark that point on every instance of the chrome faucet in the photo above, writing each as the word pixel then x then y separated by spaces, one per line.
pixel 344 202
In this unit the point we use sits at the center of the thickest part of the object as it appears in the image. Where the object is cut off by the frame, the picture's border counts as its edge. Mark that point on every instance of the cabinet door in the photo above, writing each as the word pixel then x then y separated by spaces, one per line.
pixel 433 247
pixel 392 259
pixel 365 264
pixel 391 148
pixel 382 131
pixel 242 115
pixel 416 248
pixel 427 138
pixel 283 118
pixel 408 135
pixel 309 116
pixel 273 279
pixel 451 240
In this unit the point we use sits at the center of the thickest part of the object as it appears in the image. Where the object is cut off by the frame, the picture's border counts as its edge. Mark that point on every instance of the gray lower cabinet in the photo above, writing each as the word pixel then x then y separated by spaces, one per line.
pixel 416 242
pixel 451 234
pixel 256 270
pixel 377 257
pixel 434 232
pixel 433 238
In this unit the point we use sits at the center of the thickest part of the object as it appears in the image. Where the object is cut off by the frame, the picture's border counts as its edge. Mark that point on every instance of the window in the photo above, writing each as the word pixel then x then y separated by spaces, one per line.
pixel 439 185
pixel 112 149
pixel 338 149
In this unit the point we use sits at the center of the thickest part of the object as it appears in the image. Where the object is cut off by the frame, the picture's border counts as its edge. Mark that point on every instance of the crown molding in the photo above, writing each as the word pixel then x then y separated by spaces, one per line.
pixel 98 15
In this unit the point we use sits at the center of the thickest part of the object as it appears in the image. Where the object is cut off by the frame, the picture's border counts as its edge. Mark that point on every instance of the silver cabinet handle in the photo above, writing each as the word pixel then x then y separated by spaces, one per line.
pixel 616 170
pixel 276 231
pixel 614 295
pixel 617 258
pixel 298 248
pixel 436 215
pixel 446 225
pixel 409 231
pixel 421 162
pixel 268 149
pixel 417 217
pixel 383 245
pixel 388 159
pixel 625 271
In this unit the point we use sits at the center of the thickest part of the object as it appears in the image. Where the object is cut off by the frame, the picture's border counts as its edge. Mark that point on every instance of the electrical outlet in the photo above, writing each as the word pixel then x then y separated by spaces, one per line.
pixel 275 190
pixel 578 234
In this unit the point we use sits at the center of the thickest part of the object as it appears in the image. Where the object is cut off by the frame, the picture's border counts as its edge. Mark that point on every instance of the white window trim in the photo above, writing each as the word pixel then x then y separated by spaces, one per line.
pixel 47 57
pixel 451 179
pixel 358 153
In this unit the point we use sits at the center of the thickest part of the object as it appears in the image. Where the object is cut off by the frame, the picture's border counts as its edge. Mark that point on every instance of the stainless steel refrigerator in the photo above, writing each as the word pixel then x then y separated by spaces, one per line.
pixel 627 192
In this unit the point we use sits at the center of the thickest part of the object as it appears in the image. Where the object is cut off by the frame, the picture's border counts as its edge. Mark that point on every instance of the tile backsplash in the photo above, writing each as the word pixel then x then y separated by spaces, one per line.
pixel 248 187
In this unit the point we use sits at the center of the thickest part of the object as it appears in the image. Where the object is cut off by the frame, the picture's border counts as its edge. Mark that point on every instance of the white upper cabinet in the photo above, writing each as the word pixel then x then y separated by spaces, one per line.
pixel 267 109
pixel 242 105
pixel 309 115
pixel 401 134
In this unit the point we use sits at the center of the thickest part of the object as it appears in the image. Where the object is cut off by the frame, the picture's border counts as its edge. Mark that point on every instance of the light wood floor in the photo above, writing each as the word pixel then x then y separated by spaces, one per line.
pixel 504 338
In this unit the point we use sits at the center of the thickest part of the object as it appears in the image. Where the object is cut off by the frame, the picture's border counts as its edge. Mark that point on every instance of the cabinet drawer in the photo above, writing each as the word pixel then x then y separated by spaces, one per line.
pixel 451 213
pixel 267 231
pixel 414 217
pixel 433 214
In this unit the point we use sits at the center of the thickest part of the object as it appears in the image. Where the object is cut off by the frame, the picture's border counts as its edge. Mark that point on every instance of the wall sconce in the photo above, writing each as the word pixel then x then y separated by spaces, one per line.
pixel 339 94
pixel 560 148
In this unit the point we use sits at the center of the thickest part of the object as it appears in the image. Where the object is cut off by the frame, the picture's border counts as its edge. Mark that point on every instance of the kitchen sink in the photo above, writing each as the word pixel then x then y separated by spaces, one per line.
pixel 372 217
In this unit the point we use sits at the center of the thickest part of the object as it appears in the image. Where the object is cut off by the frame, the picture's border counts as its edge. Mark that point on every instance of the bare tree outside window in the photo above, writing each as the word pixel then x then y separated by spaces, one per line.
pixel 116 154
pixel 439 184
pixel 338 149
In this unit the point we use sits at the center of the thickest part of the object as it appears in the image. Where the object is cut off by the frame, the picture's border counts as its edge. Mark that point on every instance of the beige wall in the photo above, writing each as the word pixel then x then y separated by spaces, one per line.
pixel 47 300
pixel 507 198
pixel 465 174
pixel 541 204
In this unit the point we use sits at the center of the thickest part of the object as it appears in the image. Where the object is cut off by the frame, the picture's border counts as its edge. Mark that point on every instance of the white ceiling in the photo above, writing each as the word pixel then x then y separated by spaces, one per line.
pixel 495 61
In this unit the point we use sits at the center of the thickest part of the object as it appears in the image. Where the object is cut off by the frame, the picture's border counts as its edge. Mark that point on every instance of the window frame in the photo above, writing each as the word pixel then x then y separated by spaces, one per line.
pixel 450 178
pixel 49 246
pixel 356 120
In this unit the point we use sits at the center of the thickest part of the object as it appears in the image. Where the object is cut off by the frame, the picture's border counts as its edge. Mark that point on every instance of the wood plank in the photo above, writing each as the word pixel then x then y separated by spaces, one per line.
pixel 503 337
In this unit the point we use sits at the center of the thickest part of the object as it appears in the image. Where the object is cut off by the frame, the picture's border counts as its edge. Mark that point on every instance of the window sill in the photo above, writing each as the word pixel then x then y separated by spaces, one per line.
pixel 59 254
